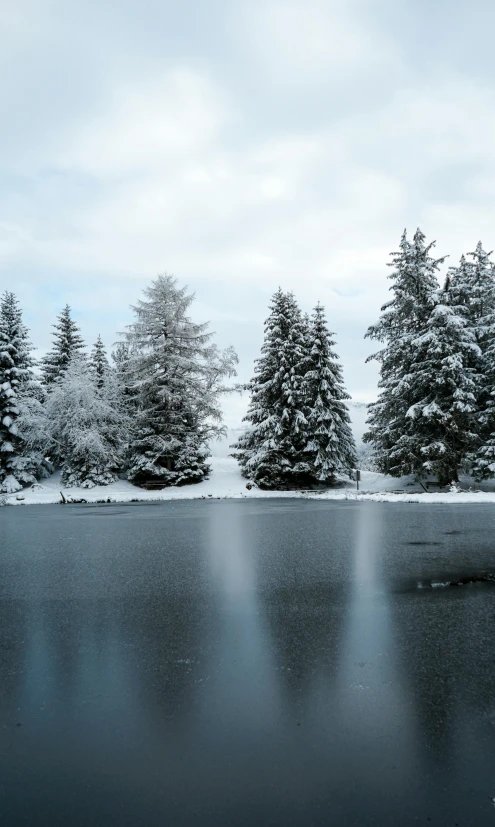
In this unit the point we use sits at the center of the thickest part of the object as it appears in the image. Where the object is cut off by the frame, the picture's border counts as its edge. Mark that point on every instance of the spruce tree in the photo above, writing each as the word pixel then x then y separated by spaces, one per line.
pixel 330 450
pixel 121 359
pixel 403 319
pixel 19 465
pixel 177 381
pixel 68 343
pixel 472 287
pixel 99 364
pixel 269 451
pixel 484 457
pixel 440 432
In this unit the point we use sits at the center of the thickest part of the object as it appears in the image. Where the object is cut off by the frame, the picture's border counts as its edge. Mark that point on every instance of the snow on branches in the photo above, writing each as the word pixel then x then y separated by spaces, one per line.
pixel 299 430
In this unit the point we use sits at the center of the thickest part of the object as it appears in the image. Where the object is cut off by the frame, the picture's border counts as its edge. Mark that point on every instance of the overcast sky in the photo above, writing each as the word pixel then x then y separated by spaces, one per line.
pixel 240 145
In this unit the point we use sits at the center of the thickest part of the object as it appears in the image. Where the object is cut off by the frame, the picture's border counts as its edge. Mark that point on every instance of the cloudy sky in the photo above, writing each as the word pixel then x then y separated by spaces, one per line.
pixel 240 145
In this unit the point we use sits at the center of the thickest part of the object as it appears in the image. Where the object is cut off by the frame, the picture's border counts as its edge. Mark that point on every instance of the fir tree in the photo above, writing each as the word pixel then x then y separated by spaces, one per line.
pixel 270 450
pixel 330 451
pixel 440 433
pixel 99 365
pixel 122 376
pixel 177 380
pixel 68 343
pixel 121 359
pixel 472 288
pixel 403 319
pixel 18 464
pixel 484 458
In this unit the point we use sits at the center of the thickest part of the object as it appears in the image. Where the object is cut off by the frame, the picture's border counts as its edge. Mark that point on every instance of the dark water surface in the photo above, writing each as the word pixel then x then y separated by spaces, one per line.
pixel 246 663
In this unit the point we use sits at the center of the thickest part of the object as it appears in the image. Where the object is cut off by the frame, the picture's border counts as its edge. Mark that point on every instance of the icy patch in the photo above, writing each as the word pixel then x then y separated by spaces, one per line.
pixel 487 577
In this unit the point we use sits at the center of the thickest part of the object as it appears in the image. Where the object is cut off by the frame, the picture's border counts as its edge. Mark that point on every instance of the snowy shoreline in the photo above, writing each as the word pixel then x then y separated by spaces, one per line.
pixel 226 482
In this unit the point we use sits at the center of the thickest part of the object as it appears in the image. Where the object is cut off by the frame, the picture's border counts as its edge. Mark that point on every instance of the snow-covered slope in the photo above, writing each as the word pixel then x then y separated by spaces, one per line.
pixel 225 481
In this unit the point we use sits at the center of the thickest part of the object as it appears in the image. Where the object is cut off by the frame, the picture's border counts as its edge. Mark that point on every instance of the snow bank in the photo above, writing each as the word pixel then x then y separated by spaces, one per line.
pixel 225 481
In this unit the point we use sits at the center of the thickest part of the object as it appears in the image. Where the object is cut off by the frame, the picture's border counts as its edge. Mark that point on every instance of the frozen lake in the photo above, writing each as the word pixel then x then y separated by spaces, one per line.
pixel 247 663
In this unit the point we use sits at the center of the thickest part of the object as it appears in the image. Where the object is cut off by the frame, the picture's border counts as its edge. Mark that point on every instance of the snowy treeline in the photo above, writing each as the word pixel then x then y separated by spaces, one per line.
pixel 435 414
pixel 299 426
pixel 150 415
pixel 151 411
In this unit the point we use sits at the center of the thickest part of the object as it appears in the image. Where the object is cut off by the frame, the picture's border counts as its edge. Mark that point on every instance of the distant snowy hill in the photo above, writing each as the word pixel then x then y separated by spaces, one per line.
pixel 358 412
pixel 220 448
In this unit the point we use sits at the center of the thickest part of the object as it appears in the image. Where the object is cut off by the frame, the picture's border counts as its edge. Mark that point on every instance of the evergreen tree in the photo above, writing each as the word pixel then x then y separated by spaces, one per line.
pixel 330 450
pixel 177 380
pixel 440 432
pixel 403 319
pixel 121 358
pixel 123 372
pixel 484 458
pixel 99 365
pixel 270 450
pixel 458 283
pixel 68 343
pixel 472 287
pixel 18 464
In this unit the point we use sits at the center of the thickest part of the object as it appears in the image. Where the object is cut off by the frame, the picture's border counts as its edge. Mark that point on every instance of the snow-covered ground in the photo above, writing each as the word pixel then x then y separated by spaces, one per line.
pixel 225 481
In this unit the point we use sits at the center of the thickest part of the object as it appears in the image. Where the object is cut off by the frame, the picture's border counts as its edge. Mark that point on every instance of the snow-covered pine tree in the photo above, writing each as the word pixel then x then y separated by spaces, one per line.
pixel 269 451
pixel 177 381
pixel 99 365
pixel 472 287
pixel 68 343
pixel 84 425
pixel 441 431
pixel 330 451
pixel 123 373
pixel 121 360
pixel 403 319
pixel 458 282
pixel 484 458
pixel 19 465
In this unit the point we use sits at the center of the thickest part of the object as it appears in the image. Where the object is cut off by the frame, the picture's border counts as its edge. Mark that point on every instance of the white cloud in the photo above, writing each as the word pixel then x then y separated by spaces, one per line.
pixel 273 187
pixel 147 124
pixel 302 41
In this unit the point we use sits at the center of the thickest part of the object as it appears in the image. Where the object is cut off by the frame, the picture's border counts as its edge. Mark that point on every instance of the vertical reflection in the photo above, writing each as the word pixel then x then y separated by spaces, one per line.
pixel 305 609
pixel 372 701
pixel 241 686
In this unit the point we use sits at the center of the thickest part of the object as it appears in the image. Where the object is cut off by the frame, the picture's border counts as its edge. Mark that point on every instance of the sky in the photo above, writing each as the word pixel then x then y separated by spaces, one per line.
pixel 239 145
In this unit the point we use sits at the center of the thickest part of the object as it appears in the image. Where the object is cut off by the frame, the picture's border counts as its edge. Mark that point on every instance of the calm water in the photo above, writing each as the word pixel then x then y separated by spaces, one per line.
pixel 244 663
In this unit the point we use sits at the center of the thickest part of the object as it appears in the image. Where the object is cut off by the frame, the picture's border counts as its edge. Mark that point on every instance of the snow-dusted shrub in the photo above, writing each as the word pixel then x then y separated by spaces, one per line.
pixel 83 425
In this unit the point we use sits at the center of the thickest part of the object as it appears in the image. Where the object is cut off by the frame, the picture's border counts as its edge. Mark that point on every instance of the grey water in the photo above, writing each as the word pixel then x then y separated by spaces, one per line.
pixel 247 663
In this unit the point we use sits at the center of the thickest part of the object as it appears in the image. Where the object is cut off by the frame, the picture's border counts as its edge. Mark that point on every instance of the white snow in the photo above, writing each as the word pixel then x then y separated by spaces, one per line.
pixel 225 481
